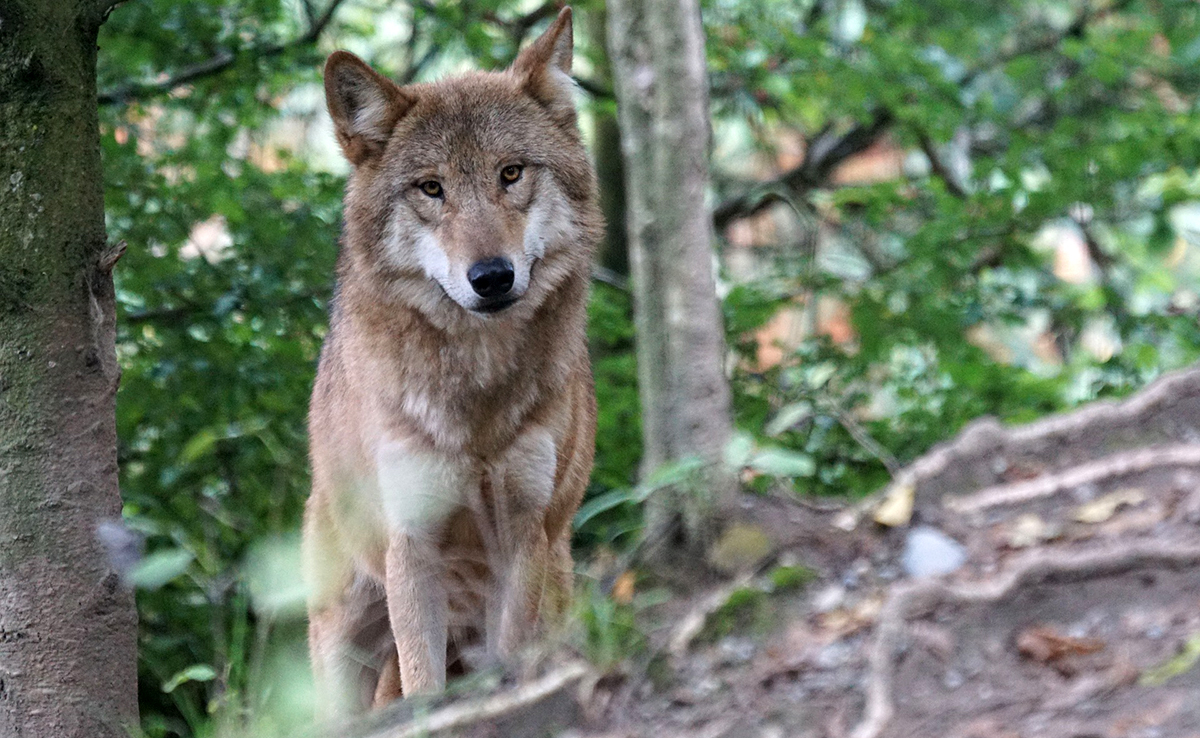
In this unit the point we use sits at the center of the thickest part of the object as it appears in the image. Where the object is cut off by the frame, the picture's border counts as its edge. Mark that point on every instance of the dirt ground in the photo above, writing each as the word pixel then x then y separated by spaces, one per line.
pixel 1031 582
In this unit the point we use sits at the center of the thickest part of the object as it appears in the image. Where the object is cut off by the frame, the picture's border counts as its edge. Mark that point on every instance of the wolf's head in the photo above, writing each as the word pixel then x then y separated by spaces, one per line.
pixel 477 188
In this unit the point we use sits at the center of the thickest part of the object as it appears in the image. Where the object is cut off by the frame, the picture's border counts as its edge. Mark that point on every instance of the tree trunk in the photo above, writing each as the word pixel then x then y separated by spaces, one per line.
pixel 68 629
pixel 610 170
pixel 657 51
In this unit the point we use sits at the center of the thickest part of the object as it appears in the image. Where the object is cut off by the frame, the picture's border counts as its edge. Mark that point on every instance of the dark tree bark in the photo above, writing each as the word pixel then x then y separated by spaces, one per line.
pixel 68 628
pixel 657 52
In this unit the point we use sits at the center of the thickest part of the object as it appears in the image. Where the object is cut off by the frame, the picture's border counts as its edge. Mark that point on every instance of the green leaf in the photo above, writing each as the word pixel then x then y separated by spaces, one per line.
pixel 198 445
pixel 738 450
pixel 779 462
pixel 788 416
pixel 160 567
pixel 602 503
pixel 1178 664
pixel 194 673
pixel 671 474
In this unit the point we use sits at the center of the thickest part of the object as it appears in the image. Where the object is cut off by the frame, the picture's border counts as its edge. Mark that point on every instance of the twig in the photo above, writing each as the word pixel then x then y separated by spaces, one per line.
pixel 1115 466
pixel 867 441
pixel 1038 566
pixel 218 63
pixel 465 714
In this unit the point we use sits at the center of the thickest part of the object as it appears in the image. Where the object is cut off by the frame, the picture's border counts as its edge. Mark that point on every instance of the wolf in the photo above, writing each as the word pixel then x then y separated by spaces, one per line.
pixel 452 421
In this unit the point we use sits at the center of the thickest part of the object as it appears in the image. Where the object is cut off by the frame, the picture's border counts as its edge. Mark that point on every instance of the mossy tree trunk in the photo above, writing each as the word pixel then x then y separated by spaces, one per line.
pixel 657 52
pixel 67 625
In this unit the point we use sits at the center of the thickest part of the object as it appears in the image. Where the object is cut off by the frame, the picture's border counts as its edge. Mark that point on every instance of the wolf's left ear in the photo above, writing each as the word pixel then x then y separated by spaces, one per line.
pixel 544 69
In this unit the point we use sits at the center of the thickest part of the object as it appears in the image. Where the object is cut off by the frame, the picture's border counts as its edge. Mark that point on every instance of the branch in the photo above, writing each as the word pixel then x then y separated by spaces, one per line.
pixel 939 167
pixel 218 63
pixel 821 159
pixel 519 28
pixel 1047 42
pixel 414 68
pixel 464 715
pixel 820 163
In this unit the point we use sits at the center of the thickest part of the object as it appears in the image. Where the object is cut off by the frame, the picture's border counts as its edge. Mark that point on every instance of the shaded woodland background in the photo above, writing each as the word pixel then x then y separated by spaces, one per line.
pixel 925 213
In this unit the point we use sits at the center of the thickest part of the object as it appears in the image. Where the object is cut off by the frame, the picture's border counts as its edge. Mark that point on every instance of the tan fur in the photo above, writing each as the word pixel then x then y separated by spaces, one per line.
pixel 450 448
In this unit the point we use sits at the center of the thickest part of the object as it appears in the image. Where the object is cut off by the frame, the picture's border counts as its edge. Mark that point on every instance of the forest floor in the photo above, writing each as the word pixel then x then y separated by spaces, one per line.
pixel 1032 582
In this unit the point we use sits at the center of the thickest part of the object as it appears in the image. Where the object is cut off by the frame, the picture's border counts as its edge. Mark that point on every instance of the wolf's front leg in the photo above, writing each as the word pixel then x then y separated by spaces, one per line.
pixel 419 490
pixel 416 598
pixel 523 484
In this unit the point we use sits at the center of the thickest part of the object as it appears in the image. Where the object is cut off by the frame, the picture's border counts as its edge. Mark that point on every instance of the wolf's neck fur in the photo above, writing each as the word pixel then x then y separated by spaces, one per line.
pixel 471 387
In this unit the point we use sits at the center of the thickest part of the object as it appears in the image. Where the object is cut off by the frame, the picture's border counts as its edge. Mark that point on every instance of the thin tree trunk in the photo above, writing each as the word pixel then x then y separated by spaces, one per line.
pixel 68 628
pixel 610 169
pixel 657 51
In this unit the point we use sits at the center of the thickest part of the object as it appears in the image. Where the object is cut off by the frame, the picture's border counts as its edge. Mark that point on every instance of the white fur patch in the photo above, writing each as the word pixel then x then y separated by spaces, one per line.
pixel 549 224
pixel 370 115
pixel 565 84
pixel 418 490
pixel 432 257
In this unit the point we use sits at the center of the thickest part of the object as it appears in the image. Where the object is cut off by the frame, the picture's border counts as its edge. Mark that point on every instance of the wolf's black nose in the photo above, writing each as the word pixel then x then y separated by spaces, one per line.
pixel 491 277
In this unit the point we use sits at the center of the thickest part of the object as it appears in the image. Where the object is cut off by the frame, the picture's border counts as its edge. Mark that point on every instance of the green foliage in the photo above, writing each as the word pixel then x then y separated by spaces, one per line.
pixel 1066 115
pixel 219 326
pixel 609 632
pixel 1075 115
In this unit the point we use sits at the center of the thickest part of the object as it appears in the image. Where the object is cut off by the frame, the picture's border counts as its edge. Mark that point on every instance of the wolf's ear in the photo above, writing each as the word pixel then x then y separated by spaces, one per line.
pixel 544 69
pixel 364 105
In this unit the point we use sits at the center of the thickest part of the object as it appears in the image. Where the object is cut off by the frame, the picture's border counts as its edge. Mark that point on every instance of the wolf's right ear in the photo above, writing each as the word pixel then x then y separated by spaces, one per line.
pixel 364 105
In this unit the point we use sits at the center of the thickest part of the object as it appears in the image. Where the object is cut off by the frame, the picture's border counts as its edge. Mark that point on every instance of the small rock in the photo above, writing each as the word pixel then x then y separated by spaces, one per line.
pixel 833 655
pixel 830 598
pixel 928 552
pixel 736 651
pixel 953 679
pixel 740 548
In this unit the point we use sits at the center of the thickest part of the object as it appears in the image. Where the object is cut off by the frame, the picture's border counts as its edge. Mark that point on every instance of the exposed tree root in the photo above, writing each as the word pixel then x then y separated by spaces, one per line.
pixel 693 623
pixel 1109 467
pixel 463 715
pixel 1037 566
pixel 1164 408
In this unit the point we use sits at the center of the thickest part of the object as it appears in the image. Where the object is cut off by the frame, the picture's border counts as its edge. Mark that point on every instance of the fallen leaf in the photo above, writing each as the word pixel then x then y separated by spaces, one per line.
pixel 1103 508
pixel 1180 663
pixel 1044 644
pixel 846 620
pixel 897 507
pixel 1030 530
pixel 622 591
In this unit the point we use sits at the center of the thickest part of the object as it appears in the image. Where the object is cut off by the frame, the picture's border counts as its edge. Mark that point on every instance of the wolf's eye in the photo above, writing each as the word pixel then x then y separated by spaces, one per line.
pixel 511 173
pixel 431 188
